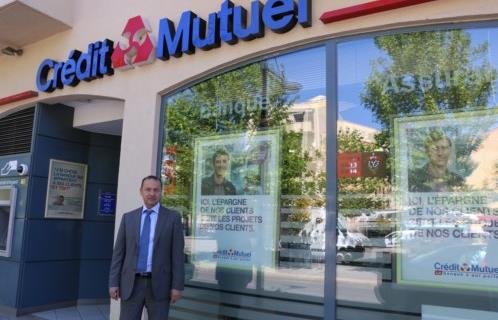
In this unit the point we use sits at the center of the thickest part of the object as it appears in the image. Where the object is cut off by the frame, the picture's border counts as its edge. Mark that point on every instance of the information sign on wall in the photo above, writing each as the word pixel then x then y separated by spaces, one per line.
pixel 107 203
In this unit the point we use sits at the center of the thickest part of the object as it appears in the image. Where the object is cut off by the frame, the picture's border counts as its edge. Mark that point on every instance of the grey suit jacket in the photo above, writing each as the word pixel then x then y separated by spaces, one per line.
pixel 167 257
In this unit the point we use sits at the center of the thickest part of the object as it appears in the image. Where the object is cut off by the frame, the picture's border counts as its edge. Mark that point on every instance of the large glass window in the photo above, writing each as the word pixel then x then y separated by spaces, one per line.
pixel 418 176
pixel 244 163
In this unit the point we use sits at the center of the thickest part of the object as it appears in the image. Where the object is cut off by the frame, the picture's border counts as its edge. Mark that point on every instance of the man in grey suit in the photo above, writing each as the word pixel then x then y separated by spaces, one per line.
pixel 147 267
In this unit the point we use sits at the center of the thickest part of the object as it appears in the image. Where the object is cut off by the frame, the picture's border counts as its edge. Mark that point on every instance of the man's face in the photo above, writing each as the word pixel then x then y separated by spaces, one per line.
pixel 439 152
pixel 221 165
pixel 151 192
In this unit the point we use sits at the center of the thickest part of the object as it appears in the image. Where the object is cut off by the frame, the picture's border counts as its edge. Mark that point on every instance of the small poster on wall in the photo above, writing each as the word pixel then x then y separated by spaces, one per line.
pixel 107 203
pixel 66 190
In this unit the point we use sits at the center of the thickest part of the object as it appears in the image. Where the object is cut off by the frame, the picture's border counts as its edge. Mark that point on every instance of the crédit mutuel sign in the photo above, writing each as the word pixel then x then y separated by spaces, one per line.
pixel 228 25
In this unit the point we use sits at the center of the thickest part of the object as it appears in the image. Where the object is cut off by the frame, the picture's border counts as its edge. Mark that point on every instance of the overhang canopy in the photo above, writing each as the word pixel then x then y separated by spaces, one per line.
pixel 28 21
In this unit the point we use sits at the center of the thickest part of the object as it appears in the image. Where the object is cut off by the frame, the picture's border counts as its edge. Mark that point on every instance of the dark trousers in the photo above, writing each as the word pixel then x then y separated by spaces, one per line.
pixel 141 296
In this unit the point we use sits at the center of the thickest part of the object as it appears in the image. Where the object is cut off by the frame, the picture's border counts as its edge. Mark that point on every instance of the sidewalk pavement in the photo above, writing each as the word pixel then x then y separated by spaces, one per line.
pixel 81 312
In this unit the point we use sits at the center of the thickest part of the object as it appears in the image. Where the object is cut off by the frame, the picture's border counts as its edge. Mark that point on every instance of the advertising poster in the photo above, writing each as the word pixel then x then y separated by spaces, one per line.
pixel 65 190
pixel 447 197
pixel 236 199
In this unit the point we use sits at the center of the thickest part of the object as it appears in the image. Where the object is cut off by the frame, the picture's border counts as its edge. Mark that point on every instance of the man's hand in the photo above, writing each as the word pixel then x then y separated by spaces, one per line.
pixel 114 293
pixel 175 296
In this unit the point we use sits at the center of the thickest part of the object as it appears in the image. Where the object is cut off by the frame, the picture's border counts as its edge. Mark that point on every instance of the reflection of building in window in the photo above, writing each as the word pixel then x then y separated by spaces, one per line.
pixel 309 117
pixel 299 116
pixel 4 226
pixel 485 175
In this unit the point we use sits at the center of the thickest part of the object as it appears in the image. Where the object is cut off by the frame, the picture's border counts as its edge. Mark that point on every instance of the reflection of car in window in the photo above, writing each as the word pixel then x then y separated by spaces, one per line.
pixel 394 238
pixel 350 245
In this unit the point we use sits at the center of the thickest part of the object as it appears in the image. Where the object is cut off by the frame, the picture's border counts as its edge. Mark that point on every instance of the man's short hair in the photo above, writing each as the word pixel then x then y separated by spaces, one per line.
pixel 220 152
pixel 435 135
pixel 151 177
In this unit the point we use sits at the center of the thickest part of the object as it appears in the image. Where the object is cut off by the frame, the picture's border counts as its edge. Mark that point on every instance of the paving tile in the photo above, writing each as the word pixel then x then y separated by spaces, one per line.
pixel 89 311
pixel 25 317
pixel 105 309
pixel 93 317
pixel 46 315
pixel 70 313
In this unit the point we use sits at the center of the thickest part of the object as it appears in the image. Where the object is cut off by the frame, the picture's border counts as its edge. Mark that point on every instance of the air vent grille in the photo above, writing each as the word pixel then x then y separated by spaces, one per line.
pixel 16 132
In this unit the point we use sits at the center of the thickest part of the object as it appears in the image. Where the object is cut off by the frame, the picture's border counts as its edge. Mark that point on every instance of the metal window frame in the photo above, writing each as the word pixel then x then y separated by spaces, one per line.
pixel 331 47
pixel 12 212
pixel 333 106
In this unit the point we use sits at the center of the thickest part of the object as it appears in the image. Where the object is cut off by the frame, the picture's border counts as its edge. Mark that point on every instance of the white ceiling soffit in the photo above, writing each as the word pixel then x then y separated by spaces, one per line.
pixel 98 115
pixel 114 127
pixel 26 22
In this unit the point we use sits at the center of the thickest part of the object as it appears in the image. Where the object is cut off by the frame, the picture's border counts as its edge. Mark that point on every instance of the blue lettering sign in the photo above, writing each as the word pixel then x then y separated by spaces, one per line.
pixel 229 25
pixel 256 27
pixel 95 63
pixel 173 42
pixel 279 15
pixel 206 39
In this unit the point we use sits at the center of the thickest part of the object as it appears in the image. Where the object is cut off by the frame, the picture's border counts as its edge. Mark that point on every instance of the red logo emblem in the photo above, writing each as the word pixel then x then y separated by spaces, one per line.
pixel 137 49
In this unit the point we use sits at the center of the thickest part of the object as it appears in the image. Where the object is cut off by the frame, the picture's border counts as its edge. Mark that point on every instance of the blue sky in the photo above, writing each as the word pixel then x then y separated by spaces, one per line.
pixel 307 67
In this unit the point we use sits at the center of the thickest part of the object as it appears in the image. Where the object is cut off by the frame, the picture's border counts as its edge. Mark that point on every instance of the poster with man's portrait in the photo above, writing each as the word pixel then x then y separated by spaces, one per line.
pixel 235 199
pixel 446 178
pixel 65 190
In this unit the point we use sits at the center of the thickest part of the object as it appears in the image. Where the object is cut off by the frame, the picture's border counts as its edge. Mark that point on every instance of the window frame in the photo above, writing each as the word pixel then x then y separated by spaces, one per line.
pixel 11 203
pixel 331 82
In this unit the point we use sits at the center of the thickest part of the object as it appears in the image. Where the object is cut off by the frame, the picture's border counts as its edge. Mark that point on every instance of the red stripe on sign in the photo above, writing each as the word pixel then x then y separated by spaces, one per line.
pixel 367 8
pixel 18 97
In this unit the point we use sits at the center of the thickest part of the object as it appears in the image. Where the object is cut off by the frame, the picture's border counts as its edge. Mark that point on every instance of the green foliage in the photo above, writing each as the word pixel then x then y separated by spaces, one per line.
pixel 419 73
pixel 359 193
pixel 427 73
pixel 351 140
pixel 252 98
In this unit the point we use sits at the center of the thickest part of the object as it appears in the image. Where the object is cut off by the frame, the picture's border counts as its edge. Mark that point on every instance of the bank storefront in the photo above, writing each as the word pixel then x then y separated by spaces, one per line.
pixel 409 120
pixel 359 169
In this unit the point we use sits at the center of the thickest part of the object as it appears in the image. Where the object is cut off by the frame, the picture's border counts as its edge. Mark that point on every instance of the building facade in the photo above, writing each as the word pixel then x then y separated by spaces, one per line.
pixel 356 141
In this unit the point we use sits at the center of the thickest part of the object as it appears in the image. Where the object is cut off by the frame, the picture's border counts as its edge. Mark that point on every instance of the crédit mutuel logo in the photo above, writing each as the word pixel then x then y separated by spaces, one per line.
pixel 138 49
pixel 230 24
pixel 465 269
pixel 232 254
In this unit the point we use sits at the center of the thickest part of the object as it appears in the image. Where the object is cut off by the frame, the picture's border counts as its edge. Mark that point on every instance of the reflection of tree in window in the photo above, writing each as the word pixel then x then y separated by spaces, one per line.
pixel 366 189
pixel 417 73
pixel 426 73
pixel 251 98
